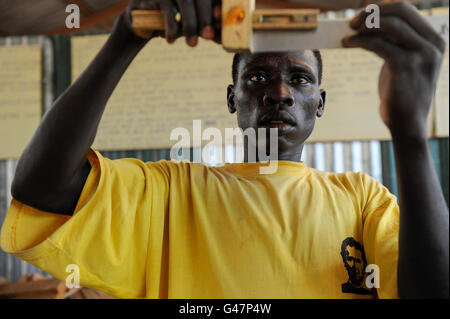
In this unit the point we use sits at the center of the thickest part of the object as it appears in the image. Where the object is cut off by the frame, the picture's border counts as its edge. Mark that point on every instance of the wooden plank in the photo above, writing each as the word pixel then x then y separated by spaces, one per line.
pixel 88 12
pixel 145 22
pixel 331 4
pixel 344 4
pixel 100 17
pixel 39 295
pixel 279 19
pixel 94 294
pixel 4 281
pixel 31 277
pixel 33 289
pixel 74 293
pixel 323 5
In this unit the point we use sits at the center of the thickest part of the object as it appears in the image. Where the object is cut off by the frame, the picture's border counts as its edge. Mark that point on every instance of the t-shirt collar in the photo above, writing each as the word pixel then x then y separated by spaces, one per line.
pixel 281 168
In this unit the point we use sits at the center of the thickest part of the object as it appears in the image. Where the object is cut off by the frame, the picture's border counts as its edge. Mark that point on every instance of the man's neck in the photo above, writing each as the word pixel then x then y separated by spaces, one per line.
pixel 293 155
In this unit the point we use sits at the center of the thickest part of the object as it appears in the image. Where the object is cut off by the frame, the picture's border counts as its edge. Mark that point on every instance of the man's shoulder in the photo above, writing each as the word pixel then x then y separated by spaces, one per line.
pixel 344 177
pixel 175 167
pixel 355 182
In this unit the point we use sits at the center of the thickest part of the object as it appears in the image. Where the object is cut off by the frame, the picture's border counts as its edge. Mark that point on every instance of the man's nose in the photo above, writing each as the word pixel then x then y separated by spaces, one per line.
pixel 278 94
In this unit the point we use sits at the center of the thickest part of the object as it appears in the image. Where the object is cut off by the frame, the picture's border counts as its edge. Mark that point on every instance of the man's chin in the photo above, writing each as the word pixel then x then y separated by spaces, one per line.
pixel 282 147
pixel 278 129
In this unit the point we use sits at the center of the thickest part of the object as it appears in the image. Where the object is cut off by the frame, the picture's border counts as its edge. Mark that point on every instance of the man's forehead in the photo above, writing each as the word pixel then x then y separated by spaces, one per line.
pixel 305 58
pixel 353 251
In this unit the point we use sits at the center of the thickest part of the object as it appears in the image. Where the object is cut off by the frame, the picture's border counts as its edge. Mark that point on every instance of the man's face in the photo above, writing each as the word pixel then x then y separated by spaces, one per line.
pixel 355 265
pixel 278 90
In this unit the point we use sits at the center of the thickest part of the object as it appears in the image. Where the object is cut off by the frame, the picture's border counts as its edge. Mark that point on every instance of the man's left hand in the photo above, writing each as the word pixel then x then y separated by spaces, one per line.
pixel 413 52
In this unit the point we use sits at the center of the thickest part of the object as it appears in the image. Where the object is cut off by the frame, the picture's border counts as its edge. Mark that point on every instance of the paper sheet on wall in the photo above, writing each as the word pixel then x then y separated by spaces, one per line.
pixel 442 99
pixel 168 87
pixel 352 102
pixel 20 97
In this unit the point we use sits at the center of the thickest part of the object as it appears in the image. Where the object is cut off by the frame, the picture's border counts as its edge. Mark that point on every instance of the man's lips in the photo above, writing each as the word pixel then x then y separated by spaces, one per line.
pixel 279 125
pixel 282 121
pixel 277 118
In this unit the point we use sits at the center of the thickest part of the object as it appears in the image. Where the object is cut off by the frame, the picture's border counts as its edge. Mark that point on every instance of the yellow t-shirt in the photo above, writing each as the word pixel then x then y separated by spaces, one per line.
pixel 185 230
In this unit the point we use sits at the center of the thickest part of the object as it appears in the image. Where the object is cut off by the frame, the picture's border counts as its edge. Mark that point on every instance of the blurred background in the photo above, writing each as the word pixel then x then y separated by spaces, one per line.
pixel 36 30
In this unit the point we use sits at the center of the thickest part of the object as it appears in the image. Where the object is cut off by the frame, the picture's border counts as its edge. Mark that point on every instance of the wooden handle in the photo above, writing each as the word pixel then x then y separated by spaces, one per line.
pixel 147 21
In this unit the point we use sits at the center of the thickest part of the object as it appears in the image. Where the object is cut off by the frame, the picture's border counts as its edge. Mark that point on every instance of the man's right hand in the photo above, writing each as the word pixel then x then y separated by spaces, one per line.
pixel 198 18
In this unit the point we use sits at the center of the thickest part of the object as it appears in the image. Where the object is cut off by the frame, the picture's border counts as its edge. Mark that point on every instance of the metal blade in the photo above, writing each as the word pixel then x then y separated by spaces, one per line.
pixel 328 35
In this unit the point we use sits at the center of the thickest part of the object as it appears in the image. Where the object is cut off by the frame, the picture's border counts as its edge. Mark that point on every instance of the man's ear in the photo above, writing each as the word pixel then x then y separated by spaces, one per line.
pixel 321 109
pixel 230 99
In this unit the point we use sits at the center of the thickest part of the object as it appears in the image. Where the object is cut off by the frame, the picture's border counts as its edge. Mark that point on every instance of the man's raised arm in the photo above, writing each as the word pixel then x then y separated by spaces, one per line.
pixel 413 54
pixel 53 167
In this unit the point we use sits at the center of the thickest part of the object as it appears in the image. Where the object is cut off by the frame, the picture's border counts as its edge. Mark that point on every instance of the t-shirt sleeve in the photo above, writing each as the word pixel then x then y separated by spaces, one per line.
pixel 380 235
pixel 108 235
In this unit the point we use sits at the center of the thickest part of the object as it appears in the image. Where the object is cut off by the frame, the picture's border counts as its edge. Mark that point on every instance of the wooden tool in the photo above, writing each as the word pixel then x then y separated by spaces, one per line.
pixel 239 20
pixel 245 29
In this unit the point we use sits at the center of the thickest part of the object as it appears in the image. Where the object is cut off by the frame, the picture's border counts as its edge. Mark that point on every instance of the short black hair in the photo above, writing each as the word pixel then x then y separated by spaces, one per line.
pixel 238 56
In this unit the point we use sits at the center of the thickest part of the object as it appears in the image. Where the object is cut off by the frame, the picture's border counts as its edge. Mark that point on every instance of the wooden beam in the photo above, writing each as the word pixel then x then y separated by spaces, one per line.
pixel 286 4
pixel 86 11
pixel 103 16
pixel 276 4
pixel 99 17
pixel 331 4
pixel 49 288
pixel 338 5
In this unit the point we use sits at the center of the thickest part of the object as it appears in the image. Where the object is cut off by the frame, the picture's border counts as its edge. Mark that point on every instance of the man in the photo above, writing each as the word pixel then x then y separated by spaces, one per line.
pixel 184 230
pixel 355 263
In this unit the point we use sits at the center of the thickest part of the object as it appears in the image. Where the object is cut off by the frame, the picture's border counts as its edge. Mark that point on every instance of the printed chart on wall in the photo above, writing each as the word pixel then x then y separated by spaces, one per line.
pixel 169 86
pixel 352 101
pixel 20 97
pixel 166 87
pixel 442 97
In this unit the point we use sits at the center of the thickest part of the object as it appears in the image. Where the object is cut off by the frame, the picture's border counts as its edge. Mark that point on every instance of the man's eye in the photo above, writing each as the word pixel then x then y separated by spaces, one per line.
pixel 258 78
pixel 300 80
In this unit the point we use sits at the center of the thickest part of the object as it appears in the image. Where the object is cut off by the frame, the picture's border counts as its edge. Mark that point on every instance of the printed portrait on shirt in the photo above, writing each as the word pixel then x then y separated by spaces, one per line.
pixel 355 264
